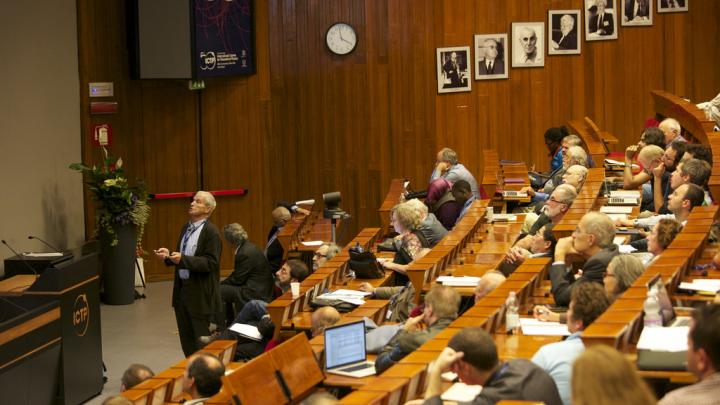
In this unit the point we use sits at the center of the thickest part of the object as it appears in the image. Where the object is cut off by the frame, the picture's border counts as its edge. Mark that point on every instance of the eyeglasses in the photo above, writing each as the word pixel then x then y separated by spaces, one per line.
pixel 318 254
pixel 606 274
pixel 552 199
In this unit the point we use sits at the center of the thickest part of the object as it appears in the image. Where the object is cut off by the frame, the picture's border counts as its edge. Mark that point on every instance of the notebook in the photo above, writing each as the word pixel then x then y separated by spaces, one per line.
pixel 345 351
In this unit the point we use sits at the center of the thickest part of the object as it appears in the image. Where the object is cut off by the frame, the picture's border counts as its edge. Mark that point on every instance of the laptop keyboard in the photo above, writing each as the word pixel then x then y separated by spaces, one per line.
pixel 357 367
pixel 684 321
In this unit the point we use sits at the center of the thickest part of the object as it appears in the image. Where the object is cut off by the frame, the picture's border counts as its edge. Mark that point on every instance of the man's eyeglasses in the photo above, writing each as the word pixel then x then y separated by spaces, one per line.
pixel 552 199
pixel 606 274
pixel 318 254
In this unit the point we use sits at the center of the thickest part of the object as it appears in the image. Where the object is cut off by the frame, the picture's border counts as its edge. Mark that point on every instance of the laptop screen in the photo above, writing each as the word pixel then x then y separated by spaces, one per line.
pixel 666 308
pixel 345 344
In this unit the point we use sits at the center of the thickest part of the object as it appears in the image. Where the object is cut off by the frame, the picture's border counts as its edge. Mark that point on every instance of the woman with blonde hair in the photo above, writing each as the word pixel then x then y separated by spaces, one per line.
pixel 601 375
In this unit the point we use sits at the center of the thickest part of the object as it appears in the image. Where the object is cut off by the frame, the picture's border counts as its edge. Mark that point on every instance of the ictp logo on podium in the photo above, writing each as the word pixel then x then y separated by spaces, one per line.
pixel 81 315
pixel 101 135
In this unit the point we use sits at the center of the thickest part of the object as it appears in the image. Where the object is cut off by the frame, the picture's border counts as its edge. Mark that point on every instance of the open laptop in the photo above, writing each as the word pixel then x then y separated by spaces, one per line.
pixel 666 308
pixel 345 351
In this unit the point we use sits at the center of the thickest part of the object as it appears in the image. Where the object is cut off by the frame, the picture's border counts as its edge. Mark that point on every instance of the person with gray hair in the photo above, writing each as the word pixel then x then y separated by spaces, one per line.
pixel 488 282
pixel 566 37
pixel 134 375
pixel 429 226
pixel 575 155
pixel 325 252
pixel 251 278
pixel 196 288
pixel 672 130
pixel 593 240
pixel 555 208
pixel 448 167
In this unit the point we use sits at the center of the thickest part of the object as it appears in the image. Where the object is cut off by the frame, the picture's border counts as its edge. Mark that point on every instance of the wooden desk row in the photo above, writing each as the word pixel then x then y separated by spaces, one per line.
pixel 585 201
pixel 491 171
pixel 285 307
pixel 392 198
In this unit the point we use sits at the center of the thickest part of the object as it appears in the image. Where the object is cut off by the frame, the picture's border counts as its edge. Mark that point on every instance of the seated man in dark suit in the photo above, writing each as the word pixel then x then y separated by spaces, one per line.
pixel 566 38
pixel 441 308
pixel 251 279
pixel 472 355
pixel 593 239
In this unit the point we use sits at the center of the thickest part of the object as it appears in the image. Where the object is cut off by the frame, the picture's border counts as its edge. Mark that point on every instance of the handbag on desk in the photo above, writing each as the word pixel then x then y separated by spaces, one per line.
pixel 365 264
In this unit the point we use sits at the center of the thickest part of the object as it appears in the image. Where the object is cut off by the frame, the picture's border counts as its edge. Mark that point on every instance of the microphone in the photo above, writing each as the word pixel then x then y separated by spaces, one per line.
pixel 21 258
pixel 45 243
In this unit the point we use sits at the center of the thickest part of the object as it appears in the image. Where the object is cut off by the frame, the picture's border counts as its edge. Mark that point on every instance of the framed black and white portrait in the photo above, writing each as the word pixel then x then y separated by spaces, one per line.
pixel 491 56
pixel 453 69
pixel 564 32
pixel 637 12
pixel 672 6
pixel 528 43
pixel 600 20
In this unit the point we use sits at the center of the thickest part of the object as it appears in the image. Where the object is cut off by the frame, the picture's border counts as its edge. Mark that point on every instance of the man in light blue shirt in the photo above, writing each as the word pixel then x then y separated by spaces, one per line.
pixel 588 301
pixel 447 167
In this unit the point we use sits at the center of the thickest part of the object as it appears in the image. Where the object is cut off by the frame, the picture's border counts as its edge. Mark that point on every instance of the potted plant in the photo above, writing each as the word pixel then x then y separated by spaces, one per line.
pixel 121 212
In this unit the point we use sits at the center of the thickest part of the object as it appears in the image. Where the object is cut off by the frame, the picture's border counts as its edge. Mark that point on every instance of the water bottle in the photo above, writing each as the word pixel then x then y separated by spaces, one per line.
pixel 651 307
pixel 512 315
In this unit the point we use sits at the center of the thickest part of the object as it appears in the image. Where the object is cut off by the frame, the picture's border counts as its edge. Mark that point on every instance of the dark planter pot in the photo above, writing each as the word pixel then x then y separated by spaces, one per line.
pixel 118 265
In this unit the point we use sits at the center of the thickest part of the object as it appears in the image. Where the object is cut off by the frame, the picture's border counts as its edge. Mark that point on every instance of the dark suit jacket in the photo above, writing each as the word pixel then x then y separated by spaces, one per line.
pixel 498 67
pixel 593 271
pixel 517 379
pixel 567 43
pixel 252 274
pixel 642 11
pixel 275 251
pixel 608 27
pixel 201 292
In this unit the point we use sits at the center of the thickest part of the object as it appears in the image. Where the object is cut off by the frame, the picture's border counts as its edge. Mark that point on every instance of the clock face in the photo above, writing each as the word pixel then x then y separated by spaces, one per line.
pixel 341 38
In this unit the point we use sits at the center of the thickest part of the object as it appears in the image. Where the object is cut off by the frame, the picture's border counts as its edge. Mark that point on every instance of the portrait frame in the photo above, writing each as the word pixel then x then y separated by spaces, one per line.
pixel 663 6
pixel 625 9
pixel 557 43
pixel 481 71
pixel 445 76
pixel 609 21
pixel 519 54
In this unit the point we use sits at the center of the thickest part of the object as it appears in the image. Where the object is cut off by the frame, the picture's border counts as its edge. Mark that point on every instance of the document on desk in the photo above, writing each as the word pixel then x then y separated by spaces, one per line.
pixel 616 209
pixel 465 281
pixel 313 243
pixel 349 296
pixel 673 339
pixel 34 254
pixel 625 194
pixel 534 327
pixel 461 392
pixel 626 248
pixel 703 284
pixel 249 331
pixel 614 162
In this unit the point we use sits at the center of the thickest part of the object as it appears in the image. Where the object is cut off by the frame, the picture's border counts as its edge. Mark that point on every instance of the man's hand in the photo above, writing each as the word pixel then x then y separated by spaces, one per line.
pixel 162 253
pixel 528 190
pixel 442 167
pixel 630 153
pixel 517 255
pixel 563 247
pixel 446 359
pixel 175 257
pixel 302 211
pixel 659 170
pixel 624 222
pixel 366 287
pixel 413 324
pixel 543 313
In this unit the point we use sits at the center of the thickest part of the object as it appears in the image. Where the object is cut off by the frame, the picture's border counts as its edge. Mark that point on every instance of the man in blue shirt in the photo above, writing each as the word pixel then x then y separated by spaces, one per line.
pixel 588 301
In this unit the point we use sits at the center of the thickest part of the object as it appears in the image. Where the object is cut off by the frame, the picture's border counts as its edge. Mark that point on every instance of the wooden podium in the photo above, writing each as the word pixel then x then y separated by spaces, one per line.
pixel 73 285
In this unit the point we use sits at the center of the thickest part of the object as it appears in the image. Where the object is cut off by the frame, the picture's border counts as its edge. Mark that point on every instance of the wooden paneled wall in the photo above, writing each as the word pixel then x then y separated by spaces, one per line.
pixel 311 122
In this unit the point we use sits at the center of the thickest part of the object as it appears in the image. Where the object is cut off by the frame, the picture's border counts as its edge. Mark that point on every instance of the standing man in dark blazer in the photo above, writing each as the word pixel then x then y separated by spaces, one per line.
pixel 593 239
pixel 274 251
pixel 196 289
pixel 251 279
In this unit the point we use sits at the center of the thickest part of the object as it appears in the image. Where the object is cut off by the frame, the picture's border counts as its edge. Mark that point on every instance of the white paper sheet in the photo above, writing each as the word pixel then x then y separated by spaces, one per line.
pixel 312 243
pixel 248 331
pixel 712 285
pixel 664 339
pixel 615 217
pixel 626 249
pixel 625 194
pixel 534 327
pixel 50 254
pixel 461 392
pixel 465 281
pixel 616 210
pixel 619 163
